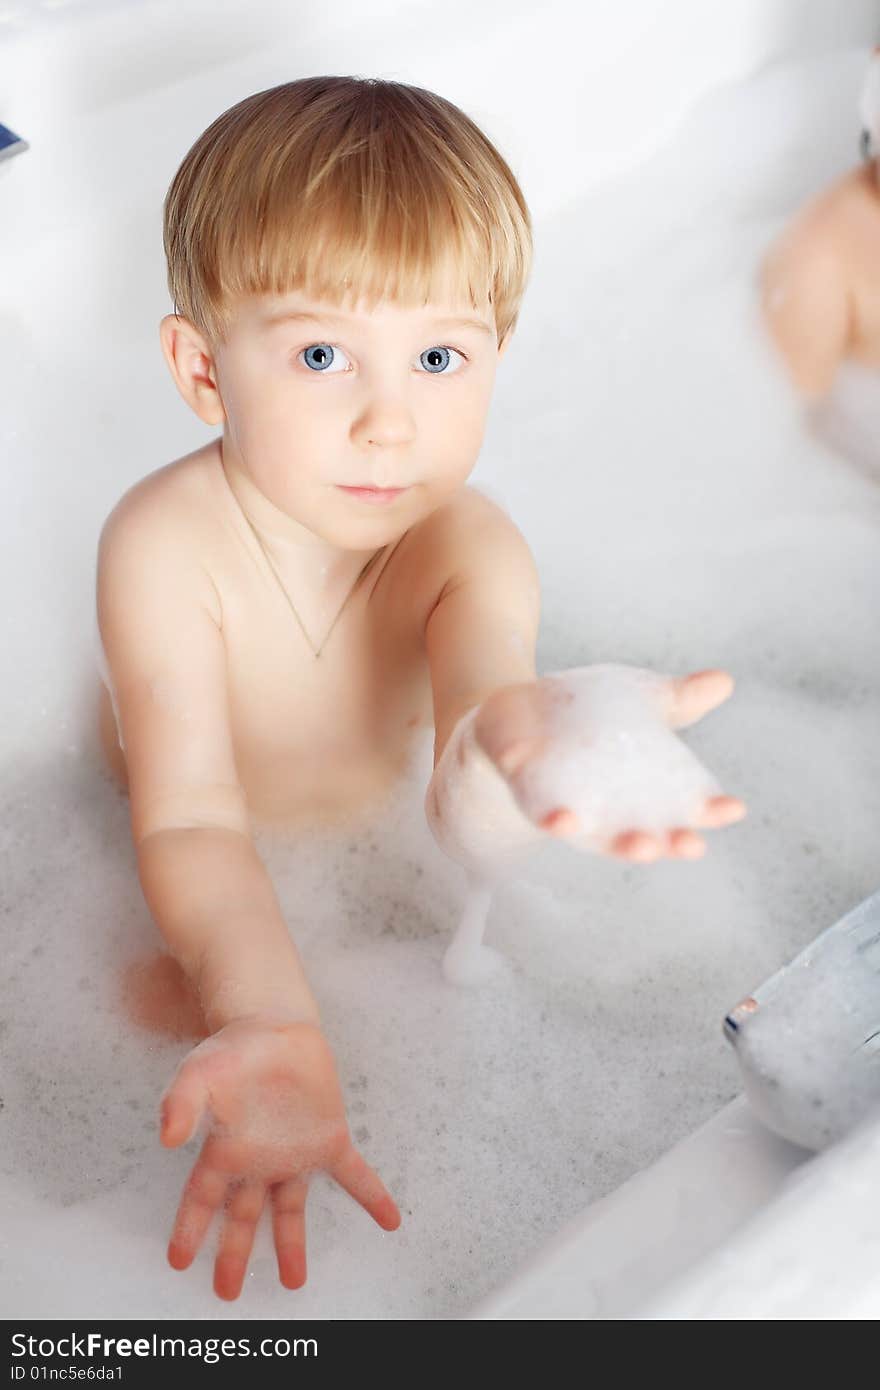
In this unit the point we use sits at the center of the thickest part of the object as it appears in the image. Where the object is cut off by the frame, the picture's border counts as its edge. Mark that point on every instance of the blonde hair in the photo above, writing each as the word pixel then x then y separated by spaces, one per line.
pixel 344 187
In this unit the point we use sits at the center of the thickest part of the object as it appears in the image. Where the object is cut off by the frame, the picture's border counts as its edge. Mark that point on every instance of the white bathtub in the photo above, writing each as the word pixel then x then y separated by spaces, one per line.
pixel 577 1120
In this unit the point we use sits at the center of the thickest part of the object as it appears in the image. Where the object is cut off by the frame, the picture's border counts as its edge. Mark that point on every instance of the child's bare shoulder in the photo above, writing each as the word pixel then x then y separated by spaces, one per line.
pixel 470 538
pixel 471 524
pixel 466 536
pixel 166 518
pixel 178 497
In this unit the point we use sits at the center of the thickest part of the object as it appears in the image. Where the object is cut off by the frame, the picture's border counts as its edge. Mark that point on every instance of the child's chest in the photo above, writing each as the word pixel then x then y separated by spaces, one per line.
pixel 318 736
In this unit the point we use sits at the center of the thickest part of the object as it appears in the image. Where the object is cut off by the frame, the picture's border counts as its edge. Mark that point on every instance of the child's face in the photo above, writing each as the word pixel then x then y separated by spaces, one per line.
pixel 393 398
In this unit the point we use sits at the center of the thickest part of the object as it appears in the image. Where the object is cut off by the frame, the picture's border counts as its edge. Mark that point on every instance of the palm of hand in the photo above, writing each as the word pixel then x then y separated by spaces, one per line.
pixel 515 727
pixel 278 1116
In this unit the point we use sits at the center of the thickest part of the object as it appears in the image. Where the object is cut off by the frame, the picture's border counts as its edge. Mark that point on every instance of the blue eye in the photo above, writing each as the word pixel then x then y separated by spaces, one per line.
pixel 436 359
pixel 321 356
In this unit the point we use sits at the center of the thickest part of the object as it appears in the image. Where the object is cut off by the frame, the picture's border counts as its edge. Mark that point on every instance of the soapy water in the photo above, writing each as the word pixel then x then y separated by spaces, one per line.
pixel 467 961
pixel 685 519
pixel 613 760
pixel 847 420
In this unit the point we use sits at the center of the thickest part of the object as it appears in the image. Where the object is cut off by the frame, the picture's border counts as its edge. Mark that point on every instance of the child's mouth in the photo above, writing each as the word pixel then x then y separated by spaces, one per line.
pixel 375 495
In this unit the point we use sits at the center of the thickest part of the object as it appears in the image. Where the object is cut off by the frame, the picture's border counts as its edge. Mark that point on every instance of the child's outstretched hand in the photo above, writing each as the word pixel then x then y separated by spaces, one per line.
pixel 580 749
pixel 277 1115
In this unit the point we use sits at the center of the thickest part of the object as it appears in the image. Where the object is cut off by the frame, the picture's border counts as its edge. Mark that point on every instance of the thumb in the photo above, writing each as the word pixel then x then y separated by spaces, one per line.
pixel 692 697
pixel 181 1107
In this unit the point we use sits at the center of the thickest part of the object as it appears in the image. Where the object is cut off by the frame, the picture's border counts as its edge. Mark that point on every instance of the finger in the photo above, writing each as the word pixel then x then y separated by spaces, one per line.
pixel 513 758
pixel 685 844
pixel 366 1187
pixel 636 845
pixel 237 1239
pixel 182 1106
pixel 690 697
pixel 203 1194
pixel 720 810
pixel 510 724
pixel 561 822
pixel 289 1230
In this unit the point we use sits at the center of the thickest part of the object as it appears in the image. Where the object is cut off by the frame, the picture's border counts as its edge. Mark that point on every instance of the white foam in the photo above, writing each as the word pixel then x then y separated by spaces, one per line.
pixel 613 759
pixel 468 961
pixel 848 418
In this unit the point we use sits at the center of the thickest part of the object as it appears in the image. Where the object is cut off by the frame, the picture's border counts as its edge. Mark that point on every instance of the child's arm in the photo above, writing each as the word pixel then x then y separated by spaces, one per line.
pixel 213 901
pixel 204 883
pixel 493 716
pixel 479 636
pixel 482 631
pixel 267 1077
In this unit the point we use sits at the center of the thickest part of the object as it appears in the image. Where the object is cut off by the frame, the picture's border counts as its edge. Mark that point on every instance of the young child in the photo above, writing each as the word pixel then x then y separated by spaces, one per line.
pixel 281 609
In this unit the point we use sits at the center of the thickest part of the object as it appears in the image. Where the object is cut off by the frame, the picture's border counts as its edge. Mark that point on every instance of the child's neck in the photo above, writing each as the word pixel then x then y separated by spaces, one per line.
pixel 313 566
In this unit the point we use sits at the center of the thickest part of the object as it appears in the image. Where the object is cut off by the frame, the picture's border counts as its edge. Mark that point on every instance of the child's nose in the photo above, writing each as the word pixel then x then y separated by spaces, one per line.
pixel 387 420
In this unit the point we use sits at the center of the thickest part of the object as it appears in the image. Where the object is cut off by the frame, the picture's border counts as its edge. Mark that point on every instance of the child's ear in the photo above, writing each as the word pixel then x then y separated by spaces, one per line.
pixel 191 364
